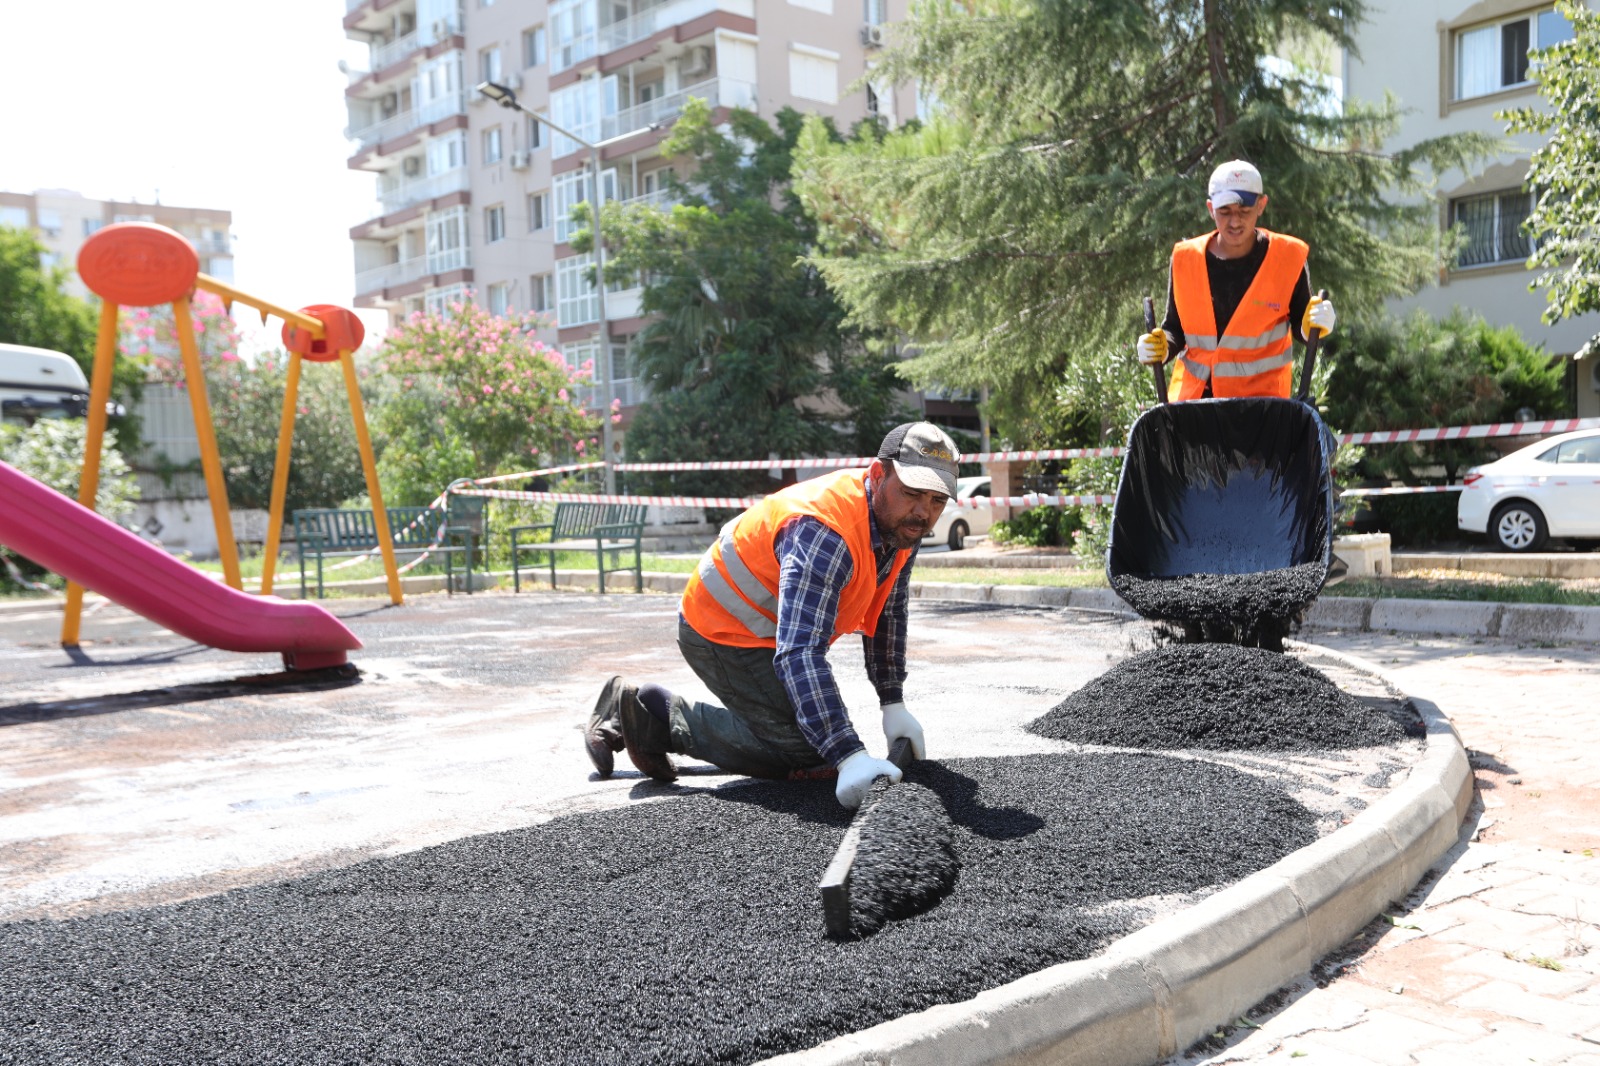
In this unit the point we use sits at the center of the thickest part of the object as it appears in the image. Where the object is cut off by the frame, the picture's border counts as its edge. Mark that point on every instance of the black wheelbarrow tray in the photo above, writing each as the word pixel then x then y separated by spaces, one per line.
pixel 1223 517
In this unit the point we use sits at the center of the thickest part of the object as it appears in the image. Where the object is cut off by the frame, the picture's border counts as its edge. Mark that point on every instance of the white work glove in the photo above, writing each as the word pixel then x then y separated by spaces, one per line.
pixel 856 775
pixel 897 723
pixel 1152 348
pixel 1319 316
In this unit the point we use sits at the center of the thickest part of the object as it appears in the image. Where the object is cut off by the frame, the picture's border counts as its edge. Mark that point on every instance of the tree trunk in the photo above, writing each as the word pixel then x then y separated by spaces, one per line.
pixel 1219 69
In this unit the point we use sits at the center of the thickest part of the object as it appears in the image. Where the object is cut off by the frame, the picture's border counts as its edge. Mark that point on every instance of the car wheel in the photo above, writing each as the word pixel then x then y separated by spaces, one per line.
pixel 958 535
pixel 1518 527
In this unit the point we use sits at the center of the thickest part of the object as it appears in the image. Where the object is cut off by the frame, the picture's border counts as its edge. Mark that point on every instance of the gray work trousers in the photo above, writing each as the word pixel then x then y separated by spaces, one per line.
pixel 757 732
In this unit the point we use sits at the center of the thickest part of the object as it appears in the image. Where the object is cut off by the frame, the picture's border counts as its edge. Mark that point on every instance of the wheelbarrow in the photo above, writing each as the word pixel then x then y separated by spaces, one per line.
pixel 1223 518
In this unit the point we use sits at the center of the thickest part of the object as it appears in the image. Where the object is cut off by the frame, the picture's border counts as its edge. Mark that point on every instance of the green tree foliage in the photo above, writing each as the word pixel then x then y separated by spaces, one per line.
pixel 1567 215
pixel 1420 372
pixel 1015 233
pixel 36 309
pixel 470 394
pixel 746 354
pixel 247 409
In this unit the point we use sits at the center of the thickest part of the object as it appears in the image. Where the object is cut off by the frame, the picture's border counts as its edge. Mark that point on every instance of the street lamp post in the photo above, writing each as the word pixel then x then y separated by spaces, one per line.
pixel 507 97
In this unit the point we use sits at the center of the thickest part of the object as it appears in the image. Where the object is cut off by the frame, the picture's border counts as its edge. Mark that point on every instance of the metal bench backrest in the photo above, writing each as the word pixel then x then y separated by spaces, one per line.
pixel 340 530
pixel 580 519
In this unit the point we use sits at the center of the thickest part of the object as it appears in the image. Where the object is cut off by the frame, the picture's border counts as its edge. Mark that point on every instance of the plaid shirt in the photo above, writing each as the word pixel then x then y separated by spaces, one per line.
pixel 814 568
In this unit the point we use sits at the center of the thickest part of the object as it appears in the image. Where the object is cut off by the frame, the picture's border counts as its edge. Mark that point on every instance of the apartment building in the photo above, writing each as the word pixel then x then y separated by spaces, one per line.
pixel 1453 65
pixel 63 220
pixel 473 196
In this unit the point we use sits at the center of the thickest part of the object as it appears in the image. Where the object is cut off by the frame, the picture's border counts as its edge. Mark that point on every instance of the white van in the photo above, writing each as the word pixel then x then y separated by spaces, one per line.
pixel 38 383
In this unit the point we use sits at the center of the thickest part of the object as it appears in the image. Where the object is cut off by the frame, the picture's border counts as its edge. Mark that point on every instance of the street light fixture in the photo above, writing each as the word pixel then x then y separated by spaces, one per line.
pixel 506 97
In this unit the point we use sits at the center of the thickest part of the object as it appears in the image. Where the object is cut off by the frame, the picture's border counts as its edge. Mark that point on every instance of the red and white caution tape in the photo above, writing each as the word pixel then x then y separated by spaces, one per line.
pixel 1497 429
pixel 1401 490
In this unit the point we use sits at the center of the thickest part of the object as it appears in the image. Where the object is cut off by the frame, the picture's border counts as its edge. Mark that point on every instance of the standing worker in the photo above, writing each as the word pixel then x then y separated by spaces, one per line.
pixel 787 578
pixel 1232 298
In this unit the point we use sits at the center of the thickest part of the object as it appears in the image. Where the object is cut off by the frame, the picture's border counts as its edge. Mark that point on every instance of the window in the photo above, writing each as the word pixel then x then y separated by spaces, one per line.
pixel 576 107
pixel 447 240
pixel 536 138
pixel 1582 450
pixel 91 226
pixel 877 12
pixel 447 153
pixel 813 74
pixel 491 144
pixel 538 211
pixel 15 217
pixel 1495 57
pixel 438 301
pixel 50 221
pixel 1493 225
pixel 534 49
pixel 489 67
pixel 572 189
pixel 577 302
pixel 499 296
pixel 542 293
pixel 572 32
pixel 494 223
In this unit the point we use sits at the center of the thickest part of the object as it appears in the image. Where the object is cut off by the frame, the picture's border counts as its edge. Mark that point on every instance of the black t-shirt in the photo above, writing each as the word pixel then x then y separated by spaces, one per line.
pixel 1230 280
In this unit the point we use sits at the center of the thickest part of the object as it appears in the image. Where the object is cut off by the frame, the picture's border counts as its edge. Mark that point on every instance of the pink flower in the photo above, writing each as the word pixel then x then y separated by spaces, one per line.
pixel 562 395
pixel 488 390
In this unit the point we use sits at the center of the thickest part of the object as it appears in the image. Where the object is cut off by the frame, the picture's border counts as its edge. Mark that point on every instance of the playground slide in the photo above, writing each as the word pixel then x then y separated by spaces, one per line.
pixel 57 533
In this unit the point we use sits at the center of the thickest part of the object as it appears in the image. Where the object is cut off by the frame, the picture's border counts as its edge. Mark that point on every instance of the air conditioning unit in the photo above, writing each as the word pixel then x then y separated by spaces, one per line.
pixel 389 104
pixel 519 160
pixel 412 166
pixel 872 36
pixel 698 62
pixel 441 29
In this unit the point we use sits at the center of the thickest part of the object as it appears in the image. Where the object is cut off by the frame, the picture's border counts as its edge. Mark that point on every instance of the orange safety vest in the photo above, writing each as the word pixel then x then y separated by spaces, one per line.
pixel 1253 357
pixel 732 598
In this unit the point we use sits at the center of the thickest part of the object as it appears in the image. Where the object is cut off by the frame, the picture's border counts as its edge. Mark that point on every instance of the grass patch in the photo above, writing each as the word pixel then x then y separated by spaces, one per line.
pixel 1471 586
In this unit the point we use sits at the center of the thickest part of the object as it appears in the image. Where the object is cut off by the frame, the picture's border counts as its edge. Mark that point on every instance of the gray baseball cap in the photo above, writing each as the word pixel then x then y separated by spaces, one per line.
pixel 924 455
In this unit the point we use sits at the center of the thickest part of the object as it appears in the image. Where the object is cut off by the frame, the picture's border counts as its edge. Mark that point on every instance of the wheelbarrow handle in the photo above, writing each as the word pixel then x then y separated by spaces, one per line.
pixel 1156 369
pixel 1311 354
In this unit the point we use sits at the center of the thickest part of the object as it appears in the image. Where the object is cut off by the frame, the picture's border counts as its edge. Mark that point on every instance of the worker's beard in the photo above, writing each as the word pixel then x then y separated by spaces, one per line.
pixel 905 535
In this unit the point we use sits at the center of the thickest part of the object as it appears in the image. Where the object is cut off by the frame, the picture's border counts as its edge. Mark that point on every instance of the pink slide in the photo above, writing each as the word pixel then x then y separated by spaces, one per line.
pixel 58 534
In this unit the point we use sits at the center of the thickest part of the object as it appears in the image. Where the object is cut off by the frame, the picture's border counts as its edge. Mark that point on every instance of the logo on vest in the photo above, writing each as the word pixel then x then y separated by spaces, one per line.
pixel 1272 305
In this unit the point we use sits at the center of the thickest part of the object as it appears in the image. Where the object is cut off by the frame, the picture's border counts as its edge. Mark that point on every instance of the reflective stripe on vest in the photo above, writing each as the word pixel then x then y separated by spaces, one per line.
pixel 726 589
pixel 1255 358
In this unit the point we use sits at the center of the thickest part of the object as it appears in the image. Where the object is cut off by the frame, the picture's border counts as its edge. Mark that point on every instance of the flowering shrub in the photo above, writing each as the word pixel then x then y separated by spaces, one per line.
pixel 151 334
pixel 469 394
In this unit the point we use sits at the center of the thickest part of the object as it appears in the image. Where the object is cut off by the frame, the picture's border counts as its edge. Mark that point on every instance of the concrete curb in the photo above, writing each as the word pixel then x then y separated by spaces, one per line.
pixel 1159 989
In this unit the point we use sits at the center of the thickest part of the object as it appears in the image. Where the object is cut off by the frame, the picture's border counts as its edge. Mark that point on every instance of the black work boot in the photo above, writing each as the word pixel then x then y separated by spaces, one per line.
pixel 603 734
pixel 646 737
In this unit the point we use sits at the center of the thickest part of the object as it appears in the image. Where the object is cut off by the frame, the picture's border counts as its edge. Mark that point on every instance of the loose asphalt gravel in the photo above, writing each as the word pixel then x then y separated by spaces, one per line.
pixel 1221 697
pixel 906 859
pixel 1242 608
pixel 682 931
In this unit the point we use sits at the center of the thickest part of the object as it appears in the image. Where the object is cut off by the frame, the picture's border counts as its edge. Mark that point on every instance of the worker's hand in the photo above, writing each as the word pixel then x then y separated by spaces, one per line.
pixel 897 723
pixel 1319 316
pixel 1152 348
pixel 856 775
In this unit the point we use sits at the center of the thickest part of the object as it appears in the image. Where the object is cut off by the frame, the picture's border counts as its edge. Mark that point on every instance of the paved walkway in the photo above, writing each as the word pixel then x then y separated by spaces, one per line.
pixel 1495 958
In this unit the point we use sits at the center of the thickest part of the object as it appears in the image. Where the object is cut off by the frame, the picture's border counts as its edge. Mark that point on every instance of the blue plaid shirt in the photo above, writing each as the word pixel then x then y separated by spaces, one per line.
pixel 814 568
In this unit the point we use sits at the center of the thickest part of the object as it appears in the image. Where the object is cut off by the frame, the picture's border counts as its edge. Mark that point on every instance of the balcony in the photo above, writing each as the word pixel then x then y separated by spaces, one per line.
pixel 610 37
pixel 390 275
pixel 721 92
pixel 420 190
pixel 384 55
pixel 661 200
pixel 406 121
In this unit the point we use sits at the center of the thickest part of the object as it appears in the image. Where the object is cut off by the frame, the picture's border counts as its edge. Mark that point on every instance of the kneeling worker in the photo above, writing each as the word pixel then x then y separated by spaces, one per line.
pixel 787 578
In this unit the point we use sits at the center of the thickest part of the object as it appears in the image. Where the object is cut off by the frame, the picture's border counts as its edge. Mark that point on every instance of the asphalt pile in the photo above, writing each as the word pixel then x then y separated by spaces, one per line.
pixel 906 860
pixel 681 931
pixel 1247 609
pixel 1217 697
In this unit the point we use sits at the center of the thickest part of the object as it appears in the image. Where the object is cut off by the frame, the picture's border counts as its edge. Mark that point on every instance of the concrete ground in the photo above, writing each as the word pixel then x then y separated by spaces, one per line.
pixel 143 770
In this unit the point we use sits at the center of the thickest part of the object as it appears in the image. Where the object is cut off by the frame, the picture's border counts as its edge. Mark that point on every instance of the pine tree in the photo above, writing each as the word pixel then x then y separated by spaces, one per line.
pixel 1015 232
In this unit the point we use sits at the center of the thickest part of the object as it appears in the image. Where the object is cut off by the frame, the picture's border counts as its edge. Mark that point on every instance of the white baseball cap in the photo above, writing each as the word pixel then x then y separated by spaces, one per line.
pixel 1234 182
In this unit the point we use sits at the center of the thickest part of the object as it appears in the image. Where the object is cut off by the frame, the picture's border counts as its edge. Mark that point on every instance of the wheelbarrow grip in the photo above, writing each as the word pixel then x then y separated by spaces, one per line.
pixel 1311 354
pixel 1150 327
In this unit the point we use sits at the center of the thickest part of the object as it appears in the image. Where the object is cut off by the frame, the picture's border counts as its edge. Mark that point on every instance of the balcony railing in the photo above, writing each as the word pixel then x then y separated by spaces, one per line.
pixel 394 51
pixel 419 189
pixel 663 16
pixel 721 92
pixel 389 275
pixel 406 121
pixel 661 200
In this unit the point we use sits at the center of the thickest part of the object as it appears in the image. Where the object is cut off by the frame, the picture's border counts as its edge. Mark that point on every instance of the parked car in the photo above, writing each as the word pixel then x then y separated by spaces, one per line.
pixel 958 523
pixel 38 383
pixel 1548 489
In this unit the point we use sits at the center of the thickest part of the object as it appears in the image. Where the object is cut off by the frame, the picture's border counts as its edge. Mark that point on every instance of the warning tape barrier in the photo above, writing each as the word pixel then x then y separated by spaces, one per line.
pixel 1497 429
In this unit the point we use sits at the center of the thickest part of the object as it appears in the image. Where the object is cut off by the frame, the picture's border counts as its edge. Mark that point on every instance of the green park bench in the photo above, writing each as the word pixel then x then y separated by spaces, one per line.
pixel 327 533
pixel 603 528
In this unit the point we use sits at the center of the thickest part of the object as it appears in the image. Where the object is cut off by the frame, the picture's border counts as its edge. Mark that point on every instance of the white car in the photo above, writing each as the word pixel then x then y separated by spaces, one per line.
pixel 1548 489
pixel 957 523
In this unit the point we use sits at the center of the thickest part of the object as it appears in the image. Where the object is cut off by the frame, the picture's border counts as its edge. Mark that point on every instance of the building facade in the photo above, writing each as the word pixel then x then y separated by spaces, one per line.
pixel 63 220
pixel 472 196
pixel 1453 65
